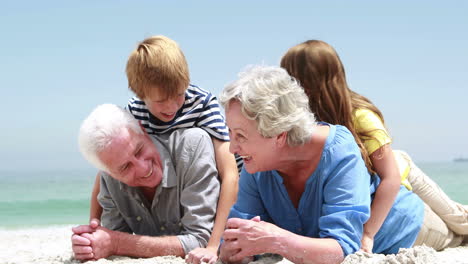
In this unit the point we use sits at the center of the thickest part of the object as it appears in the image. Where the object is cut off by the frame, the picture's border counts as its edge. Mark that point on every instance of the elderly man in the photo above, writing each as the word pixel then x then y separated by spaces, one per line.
pixel 158 195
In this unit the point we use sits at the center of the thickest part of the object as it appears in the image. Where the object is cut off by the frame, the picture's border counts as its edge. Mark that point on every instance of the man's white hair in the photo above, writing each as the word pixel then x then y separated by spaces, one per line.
pixel 100 127
pixel 275 100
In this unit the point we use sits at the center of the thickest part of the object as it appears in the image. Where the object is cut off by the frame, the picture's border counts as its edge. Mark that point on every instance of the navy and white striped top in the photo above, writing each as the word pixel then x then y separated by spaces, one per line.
pixel 200 109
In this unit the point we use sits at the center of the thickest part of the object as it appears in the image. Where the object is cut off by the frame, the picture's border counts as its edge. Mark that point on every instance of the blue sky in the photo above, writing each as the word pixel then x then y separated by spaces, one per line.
pixel 59 59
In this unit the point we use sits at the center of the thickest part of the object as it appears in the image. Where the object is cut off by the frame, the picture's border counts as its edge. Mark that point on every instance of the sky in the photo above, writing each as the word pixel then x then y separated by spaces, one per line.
pixel 60 59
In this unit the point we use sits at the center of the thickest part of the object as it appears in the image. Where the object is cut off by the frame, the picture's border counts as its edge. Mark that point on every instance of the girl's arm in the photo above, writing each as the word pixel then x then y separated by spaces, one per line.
pixel 386 167
pixel 229 176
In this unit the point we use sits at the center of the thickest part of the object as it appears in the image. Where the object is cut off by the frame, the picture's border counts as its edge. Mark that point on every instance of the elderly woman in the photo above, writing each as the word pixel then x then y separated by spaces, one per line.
pixel 304 191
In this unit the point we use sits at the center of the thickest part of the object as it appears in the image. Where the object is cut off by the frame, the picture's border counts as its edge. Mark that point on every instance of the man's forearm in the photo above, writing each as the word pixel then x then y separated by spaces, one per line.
pixel 146 246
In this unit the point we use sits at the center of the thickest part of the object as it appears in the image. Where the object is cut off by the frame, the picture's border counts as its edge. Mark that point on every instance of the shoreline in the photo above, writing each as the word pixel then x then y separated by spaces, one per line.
pixel 52 245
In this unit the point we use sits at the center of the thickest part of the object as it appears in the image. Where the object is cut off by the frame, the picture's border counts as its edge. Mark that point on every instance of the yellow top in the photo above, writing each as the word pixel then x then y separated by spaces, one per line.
pixel 367 121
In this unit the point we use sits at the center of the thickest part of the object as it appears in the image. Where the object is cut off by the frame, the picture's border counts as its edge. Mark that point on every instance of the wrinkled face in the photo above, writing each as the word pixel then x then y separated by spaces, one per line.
pixel 162 107
pixel 133 159
pixel 257 152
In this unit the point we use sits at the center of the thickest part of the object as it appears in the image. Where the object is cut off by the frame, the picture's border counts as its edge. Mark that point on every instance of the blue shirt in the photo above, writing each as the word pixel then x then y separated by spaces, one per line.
pixel 335 203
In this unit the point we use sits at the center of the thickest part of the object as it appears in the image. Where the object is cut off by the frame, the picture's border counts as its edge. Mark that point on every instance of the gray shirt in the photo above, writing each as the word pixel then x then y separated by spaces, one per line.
pixel 185 201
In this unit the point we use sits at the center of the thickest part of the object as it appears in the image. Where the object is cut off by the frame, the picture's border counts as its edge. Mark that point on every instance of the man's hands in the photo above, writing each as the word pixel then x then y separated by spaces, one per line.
pixel 92 242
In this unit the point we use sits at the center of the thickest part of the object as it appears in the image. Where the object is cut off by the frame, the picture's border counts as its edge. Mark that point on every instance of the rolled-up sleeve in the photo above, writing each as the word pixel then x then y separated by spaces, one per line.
pixel 346 200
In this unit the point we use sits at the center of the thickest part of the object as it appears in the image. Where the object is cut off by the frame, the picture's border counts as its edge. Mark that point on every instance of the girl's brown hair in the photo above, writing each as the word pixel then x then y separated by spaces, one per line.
pixel 318 68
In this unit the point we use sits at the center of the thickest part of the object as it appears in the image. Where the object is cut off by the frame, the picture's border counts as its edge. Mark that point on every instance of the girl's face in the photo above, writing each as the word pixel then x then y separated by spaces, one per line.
pixel 258 152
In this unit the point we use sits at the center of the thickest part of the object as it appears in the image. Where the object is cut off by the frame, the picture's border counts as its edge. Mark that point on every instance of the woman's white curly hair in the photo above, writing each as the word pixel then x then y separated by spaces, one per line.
pixel 275 100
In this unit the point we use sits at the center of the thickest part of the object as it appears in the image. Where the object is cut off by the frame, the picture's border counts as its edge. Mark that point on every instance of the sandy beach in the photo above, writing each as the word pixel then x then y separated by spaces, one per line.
pixel 52 245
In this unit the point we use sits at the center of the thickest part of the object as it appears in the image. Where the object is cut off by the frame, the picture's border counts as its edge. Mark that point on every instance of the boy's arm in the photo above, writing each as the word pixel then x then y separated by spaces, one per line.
pixel 229 177
pixel 227 170
pixel 95 207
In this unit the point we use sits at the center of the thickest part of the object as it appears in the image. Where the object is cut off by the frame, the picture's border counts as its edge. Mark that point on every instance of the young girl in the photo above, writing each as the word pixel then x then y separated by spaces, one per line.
pixel 318 68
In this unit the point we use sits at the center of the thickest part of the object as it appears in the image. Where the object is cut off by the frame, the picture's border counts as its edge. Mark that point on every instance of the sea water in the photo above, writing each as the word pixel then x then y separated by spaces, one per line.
pixel 43 198
pixel 46 198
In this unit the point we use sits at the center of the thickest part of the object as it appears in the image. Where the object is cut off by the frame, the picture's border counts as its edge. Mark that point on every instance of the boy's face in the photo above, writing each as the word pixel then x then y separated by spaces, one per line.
pixel 164 108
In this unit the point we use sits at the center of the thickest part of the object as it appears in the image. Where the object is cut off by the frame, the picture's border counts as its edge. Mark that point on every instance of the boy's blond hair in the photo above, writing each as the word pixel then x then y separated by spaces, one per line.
pixel 157 62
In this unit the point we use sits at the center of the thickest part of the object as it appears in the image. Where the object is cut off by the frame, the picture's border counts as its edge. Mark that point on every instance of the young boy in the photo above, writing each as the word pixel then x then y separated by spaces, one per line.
pixel 158 74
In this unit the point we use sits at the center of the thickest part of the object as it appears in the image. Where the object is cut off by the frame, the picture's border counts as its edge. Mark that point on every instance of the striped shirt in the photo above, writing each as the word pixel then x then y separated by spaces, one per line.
pixel 200 109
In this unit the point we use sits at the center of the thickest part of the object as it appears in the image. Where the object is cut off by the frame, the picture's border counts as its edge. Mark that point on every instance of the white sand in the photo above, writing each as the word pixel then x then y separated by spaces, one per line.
pixel 52 245
pixel 419 254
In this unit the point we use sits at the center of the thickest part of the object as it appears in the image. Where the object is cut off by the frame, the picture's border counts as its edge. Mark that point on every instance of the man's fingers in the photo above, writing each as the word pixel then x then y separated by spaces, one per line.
pixel 94 223
pixel 88 236
pixel 82 249
pixel 84 256
pixel 80 240
pixel 83 229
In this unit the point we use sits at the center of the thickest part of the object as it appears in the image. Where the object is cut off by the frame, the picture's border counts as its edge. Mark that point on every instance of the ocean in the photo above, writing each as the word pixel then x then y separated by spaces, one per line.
pixel 44 198
pixel 31 199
